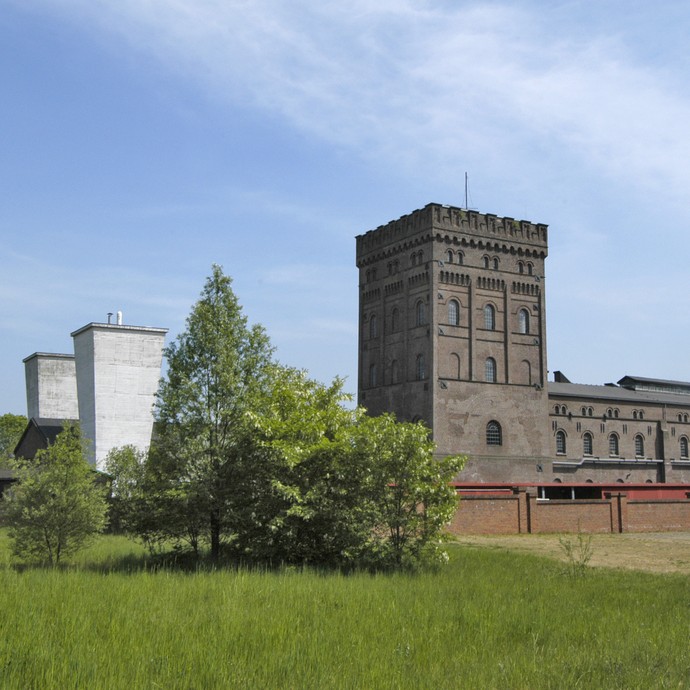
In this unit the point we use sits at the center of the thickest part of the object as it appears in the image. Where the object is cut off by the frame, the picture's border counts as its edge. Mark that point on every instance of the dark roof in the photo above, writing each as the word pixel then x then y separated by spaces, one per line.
pixel 588 392
pixel 47 428
pixel 656 383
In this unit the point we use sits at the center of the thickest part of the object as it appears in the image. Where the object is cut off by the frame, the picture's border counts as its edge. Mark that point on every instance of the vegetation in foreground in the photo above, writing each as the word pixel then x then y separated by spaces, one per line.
pixel 490 619
pixel 254 460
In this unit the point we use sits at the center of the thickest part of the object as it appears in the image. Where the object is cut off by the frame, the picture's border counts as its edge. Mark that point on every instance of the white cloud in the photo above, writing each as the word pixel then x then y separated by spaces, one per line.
pixel 404 79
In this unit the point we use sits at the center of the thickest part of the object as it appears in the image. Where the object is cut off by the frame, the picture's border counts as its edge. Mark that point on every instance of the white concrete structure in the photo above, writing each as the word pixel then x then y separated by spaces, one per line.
pixel 117 370
pixel 51 386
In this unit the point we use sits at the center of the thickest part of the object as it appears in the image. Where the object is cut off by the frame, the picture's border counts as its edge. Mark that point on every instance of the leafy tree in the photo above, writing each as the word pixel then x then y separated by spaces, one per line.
pixel 273 464
pixel 296 493
pixel 334 486
pixel 11 428
pixel 216 368
pixel 413 498
pixel 56 506
pixel 150 506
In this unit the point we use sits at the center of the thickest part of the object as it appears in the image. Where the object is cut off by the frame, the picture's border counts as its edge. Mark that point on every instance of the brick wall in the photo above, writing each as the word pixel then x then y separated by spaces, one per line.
pixel 522 513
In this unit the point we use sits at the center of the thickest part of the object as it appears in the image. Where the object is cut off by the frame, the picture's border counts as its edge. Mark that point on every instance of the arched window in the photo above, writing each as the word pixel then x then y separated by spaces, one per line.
pixel 587 444
pixel 523 321
pixel 521 267
pixel 453 313
pixel 490 370
pixel 684 447
pixel 413 260
pixel 560 442
pixel 372 375
pixel 613 445
pixel 395 320
pixel 420 314
pixel 373 326
pixel 420 258
pixel 449 256
pixel 639 446
pixel 420 368
pixel 634 414
pixel 590 411
pixel 495 264
pixel 460 259
pixel 489 317
pixel 395 375
pixel 486 262
pixel 493 434
pixel 529 269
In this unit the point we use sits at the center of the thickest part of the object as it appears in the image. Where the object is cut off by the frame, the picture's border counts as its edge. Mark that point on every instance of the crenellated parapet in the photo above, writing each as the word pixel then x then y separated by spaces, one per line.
pixel 456 226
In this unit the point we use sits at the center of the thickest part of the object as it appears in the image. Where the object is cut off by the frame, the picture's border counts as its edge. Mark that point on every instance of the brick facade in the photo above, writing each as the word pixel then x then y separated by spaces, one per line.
pixel 453 332
pixel 522 513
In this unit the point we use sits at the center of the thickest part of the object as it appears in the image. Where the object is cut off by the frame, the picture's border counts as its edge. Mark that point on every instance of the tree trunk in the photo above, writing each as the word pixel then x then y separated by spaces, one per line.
pixel 215 535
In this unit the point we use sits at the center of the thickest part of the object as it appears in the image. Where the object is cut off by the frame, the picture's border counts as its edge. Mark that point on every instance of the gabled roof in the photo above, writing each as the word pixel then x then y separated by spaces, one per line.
pixel 45 429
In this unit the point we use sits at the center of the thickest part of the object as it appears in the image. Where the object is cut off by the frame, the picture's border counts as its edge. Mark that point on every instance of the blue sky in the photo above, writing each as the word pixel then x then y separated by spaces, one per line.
pixel 144 140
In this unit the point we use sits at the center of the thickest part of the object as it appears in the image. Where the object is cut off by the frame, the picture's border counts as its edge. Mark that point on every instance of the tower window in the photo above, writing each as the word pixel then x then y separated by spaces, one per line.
pixel 373 326
pixel 613 445
pixel 560 442
pixel 521 267
pixel 495 264
pixel 420 316
pixel 372 375
pixel 493 434
pixel 453 313
pixel 395 320
pixel 449 256
pixel 490 370
pixel 394 371
pixel 639 446
pixel 489 317
pixel 420 367
pixel 684 448
pixel 523 321
pixel 587 444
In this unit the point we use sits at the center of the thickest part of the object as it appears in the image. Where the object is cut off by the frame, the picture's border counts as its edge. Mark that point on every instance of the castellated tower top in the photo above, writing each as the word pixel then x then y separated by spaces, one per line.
pixel 457 225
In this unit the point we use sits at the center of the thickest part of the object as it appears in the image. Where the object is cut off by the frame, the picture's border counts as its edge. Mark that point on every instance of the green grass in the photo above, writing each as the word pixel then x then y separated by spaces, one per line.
pixel 488 620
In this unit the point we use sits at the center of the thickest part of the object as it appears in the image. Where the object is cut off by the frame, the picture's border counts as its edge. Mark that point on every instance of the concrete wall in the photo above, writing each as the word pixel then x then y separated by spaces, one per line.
pixel 51 386
pixel 118 371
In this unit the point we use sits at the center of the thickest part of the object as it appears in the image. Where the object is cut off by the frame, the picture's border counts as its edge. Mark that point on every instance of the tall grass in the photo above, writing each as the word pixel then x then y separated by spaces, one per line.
pixel 488 620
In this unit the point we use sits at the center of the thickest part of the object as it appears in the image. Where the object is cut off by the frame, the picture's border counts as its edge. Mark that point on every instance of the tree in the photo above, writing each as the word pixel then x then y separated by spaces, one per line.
pixel 216 369
pixel 56 505
pixel 411 492
pixel 331 486
pixel 11 428
pixel 148 505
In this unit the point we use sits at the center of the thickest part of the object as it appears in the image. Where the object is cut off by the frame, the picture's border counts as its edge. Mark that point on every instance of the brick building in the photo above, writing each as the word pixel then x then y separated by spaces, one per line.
pixel 453 332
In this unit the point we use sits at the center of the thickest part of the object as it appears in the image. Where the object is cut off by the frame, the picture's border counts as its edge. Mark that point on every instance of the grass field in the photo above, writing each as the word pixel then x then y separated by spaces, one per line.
pixel 490 619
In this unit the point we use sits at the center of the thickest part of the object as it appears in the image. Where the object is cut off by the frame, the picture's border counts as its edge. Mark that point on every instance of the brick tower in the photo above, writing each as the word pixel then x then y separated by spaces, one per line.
pixel 452 331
